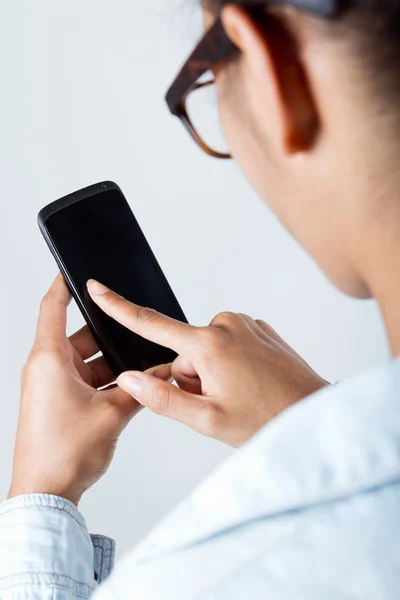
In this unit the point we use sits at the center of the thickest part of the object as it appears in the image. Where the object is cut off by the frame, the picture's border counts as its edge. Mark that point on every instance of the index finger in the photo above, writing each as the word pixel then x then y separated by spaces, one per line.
pixel 52 324
pixel 146 322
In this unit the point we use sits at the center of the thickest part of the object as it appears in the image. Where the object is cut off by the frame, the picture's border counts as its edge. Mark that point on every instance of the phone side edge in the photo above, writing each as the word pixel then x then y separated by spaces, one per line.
pixel 64 271
pixel 73 198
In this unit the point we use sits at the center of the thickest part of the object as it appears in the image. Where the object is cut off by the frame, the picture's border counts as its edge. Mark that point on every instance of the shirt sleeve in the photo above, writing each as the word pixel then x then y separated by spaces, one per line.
pixel 46 551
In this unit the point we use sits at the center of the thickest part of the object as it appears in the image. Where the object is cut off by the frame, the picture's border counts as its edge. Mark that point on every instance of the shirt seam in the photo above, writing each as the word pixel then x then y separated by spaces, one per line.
pixel 45 573
pixel 101 561
pixel 53 587
pixel 43 507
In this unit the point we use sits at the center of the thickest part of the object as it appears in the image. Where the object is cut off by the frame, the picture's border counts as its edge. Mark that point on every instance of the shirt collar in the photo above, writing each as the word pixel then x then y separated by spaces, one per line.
pixel 341 441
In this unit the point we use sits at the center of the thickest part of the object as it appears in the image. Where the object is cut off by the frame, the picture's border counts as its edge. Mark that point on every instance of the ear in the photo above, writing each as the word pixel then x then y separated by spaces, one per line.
pixel 277 77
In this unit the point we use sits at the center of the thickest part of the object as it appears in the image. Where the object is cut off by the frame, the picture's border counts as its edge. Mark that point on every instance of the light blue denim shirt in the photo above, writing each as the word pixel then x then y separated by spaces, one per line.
pixel 309 509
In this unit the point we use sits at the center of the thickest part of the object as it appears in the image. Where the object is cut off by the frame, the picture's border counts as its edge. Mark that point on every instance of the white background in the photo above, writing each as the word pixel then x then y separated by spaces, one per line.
pixel 81 100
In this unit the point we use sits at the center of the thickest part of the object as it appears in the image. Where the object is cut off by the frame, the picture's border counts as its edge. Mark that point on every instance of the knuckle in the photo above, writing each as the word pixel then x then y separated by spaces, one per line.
pixel 50 296
pixel 261 323
pixel 160 399
pixel 265 326
pixel 34 359
pixel 145 314
pixel 210 337
pixel 227 319
pixel 245 317
pixel 45 300
pixel 42 359
pixel 24 372
pixel 113 300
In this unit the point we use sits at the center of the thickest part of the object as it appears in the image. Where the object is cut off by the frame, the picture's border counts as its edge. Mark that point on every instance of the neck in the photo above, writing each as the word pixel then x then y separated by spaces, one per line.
pixel 381 272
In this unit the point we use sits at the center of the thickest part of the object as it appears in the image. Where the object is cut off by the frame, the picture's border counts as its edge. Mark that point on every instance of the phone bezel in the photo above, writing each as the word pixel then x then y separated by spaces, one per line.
pixel 63 203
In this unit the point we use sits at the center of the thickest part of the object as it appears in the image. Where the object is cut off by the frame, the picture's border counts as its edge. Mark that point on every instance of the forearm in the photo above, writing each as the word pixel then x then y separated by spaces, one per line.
pixel 46 551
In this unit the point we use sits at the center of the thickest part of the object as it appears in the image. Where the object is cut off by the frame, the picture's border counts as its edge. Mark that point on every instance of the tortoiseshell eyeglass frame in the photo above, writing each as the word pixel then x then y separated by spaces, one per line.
pixel 215 47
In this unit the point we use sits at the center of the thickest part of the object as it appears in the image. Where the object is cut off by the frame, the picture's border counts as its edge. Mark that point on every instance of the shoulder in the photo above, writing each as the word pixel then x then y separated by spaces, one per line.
pixel 347 548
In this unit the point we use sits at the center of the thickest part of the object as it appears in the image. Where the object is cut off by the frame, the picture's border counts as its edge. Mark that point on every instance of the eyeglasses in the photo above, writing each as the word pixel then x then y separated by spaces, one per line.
pixel 214 48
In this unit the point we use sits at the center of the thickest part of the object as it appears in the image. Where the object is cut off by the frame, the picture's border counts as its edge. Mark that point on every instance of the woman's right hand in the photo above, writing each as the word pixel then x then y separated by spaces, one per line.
pixel 234 376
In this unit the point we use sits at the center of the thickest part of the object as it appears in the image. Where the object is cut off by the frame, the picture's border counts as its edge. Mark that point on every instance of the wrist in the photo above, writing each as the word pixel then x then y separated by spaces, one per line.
pixel 26 489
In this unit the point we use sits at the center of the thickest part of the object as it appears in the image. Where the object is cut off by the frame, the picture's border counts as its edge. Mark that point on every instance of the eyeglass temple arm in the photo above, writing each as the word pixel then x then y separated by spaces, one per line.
pixel 216 46
pixel 213 48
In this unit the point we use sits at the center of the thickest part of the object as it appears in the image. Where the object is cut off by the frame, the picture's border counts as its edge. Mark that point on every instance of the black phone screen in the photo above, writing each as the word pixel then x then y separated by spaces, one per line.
pixel 99 238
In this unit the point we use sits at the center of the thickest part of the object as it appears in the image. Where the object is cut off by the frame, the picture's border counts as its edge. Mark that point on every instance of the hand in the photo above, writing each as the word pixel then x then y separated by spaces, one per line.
pixel 233 376
pixel 67 429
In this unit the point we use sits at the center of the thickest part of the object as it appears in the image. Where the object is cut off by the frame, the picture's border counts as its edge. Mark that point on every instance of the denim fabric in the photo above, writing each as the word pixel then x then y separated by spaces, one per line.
pixel 46 551
pixel 309 509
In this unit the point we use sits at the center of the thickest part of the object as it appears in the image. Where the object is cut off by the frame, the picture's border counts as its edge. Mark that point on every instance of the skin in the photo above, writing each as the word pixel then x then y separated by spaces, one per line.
pixel 321 149
pixel 68 430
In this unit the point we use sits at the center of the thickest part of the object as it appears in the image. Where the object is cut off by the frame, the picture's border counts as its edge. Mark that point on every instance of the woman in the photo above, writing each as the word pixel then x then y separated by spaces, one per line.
pixel 308 97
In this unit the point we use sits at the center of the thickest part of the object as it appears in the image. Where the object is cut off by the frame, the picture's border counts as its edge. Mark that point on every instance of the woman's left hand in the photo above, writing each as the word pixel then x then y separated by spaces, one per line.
pixel 68 429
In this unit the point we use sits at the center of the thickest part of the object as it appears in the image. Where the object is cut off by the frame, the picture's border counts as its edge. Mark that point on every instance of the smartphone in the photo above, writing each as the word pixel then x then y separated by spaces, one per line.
pixel 93 234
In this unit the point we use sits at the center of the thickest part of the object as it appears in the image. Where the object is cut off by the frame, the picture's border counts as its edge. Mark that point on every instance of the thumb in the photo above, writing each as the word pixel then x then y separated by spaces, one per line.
pixel 163 398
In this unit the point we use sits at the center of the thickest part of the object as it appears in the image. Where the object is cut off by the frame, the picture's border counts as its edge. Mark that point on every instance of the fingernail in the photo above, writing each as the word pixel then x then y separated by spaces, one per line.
pixel 132 383
pixel 97 288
